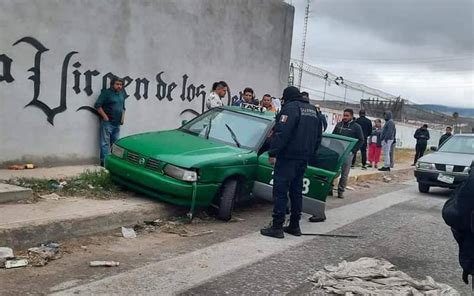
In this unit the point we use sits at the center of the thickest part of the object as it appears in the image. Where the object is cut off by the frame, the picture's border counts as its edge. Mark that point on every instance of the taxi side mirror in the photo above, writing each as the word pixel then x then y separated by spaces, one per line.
pixel 183 122
pixel 433 148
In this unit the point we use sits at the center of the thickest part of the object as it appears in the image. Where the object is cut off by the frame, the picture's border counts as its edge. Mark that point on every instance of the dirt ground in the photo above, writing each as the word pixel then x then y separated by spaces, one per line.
pixel 156 243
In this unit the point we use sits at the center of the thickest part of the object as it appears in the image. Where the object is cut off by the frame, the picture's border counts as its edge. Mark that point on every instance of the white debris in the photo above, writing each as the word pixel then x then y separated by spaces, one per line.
pixel 6 252
pixel 350 188
pixel 52 196
pixel 128 232
pixel 16 263
pixel 387 179
pixel 104 263
pixel 370 276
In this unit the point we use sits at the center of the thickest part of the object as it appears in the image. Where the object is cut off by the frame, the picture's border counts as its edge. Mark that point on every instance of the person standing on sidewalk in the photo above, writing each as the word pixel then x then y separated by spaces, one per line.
pixel 111 107
pixel 219 90
pixel 447 135
pixel 366 125
pixel 422 135
pixel 350 128
pixel 388 137
pixel 296 136
pixel 375 144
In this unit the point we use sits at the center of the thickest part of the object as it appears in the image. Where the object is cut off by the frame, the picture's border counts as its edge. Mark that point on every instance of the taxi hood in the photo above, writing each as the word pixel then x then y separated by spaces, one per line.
pixel 183 149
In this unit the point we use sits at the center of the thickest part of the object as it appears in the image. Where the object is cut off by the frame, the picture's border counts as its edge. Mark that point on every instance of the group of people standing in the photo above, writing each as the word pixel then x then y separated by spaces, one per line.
pixel 247 96
pixel 375 137
pixel 422 135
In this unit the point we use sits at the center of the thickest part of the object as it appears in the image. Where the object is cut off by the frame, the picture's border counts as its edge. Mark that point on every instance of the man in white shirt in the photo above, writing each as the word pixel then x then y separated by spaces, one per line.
pixel 219 90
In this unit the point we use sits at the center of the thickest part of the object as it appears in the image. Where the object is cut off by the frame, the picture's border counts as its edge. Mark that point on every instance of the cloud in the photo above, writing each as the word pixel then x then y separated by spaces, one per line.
pixel 421 49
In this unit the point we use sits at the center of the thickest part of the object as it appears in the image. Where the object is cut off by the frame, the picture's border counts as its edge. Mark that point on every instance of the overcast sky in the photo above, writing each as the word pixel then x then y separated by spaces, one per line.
pixel 422 50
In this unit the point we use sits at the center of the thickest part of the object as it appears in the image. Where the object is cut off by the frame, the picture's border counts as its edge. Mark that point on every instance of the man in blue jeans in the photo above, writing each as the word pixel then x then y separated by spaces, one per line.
pixel 111 107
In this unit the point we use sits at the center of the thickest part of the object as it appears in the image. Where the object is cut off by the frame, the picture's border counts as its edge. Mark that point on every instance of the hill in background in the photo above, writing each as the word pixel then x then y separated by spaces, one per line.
pixel 464 112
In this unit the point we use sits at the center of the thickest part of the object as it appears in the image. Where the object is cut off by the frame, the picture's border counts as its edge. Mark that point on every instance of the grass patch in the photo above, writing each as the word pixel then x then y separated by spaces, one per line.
pixel 90 183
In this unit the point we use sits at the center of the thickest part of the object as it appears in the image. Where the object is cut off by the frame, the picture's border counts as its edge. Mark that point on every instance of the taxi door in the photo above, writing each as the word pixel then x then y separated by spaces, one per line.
pixel 322 169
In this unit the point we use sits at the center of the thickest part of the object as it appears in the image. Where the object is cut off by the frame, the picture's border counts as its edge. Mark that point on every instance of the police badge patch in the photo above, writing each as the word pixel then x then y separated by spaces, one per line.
pixel 283 118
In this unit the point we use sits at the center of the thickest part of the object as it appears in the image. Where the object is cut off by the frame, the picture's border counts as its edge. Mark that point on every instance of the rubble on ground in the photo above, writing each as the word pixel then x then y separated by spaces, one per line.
pixel 370 276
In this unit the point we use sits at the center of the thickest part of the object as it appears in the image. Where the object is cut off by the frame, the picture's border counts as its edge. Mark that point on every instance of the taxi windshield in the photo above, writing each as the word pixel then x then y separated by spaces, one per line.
pixel 233 128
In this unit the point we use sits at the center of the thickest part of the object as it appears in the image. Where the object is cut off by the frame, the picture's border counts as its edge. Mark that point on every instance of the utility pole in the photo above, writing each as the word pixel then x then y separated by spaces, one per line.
pixel 303 44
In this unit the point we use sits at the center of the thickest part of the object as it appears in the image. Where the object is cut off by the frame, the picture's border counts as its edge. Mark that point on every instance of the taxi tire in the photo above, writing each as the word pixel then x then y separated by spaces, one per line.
pixel 423 188
pixel 227 199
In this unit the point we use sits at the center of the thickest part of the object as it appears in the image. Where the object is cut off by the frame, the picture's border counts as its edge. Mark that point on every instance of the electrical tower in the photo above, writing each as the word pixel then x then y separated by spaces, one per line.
pixel 303 43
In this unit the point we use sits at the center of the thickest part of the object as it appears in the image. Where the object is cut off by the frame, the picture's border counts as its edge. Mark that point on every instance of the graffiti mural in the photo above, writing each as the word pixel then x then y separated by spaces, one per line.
pixel 162 87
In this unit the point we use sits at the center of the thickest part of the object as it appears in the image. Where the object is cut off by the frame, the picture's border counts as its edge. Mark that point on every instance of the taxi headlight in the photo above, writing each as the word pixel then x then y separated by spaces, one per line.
pixel 117 151
pixel 180 174
pixel 425 166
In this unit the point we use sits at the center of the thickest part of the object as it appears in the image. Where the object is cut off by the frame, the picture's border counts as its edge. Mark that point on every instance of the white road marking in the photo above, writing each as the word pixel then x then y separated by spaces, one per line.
pixel 183 272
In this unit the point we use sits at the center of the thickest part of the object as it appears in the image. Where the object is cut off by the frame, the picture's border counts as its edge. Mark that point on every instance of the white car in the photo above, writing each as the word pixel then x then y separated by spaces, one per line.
pixel 447 167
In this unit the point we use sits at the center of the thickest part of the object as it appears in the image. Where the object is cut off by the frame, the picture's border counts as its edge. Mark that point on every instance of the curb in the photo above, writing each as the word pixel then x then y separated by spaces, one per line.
pixel 23 237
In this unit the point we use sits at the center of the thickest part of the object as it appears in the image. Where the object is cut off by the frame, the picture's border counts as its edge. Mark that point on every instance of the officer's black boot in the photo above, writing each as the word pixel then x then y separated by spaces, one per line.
pixel 294 227
pixel 274 230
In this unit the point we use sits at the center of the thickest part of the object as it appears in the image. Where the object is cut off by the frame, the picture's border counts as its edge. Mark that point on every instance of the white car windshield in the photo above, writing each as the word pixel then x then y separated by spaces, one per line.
pixel 233 128
pixel 459 144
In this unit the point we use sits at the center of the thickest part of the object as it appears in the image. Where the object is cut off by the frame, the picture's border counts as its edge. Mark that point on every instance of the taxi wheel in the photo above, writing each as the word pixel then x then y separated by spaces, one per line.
pixel 423 188
pixel 227 199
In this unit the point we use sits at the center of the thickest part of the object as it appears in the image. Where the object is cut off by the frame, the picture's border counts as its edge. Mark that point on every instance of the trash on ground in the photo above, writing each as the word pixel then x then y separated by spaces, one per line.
pixel 156 222
pixel 40 256
pixel 128 232
pixel 6 252
pixel 370 276
pixel 17 167
pixel 193 234
pixel 175 228
pixel 90 186
pixel 30 166
pixel 52 196
pixel 387 179
pixel 350 188
pixel 236 219
pixel 16 263
pixel 104 263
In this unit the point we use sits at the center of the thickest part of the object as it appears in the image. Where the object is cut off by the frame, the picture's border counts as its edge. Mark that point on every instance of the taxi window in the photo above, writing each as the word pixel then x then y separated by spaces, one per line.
pixel 329 153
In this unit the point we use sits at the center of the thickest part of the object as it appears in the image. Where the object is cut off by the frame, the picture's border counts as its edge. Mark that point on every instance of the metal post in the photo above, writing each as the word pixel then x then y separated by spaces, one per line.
pixel 325 84
pixel 345 94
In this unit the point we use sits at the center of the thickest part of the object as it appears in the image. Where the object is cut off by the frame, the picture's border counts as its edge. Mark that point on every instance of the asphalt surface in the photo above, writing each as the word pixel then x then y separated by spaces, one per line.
pixel 393 221
pixel 411 235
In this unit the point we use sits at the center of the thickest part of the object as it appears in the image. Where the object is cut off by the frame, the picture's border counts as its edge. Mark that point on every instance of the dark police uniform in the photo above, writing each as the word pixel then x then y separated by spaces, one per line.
pixel 296 136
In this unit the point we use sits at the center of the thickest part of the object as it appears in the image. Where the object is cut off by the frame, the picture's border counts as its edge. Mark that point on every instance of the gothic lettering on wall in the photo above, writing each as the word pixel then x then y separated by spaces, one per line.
pixel 83 80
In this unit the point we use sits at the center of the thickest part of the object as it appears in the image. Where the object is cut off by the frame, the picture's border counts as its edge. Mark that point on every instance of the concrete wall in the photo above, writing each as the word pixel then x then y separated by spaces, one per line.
pixel 72 47
pixel 405 132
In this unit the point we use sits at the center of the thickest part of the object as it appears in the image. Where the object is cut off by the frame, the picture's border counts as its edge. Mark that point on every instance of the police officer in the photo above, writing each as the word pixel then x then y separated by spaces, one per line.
pixel 296 137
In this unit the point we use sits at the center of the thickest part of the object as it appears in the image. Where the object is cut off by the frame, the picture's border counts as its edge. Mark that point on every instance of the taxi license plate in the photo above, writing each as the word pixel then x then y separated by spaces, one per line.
pixel 446 178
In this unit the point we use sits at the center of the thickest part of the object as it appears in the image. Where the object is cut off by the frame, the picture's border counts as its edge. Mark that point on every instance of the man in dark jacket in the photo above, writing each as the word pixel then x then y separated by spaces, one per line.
pixel 366 125
pixel 388 138
pixel 350 128
pixel 296 136
pixel 447 135
pixel 458 213
pixel 422 135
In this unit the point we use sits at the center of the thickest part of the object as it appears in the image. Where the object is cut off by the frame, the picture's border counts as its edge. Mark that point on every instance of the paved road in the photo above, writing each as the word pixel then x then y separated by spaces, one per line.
pixel 402 226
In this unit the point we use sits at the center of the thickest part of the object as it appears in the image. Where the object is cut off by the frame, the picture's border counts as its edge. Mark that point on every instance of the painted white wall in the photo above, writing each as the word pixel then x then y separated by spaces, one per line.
pixel 405 132
pixel 244 42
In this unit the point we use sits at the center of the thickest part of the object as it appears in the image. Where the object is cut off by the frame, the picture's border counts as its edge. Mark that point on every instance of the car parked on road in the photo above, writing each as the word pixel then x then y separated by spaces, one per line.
pixel 448 166
pixel 218 159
